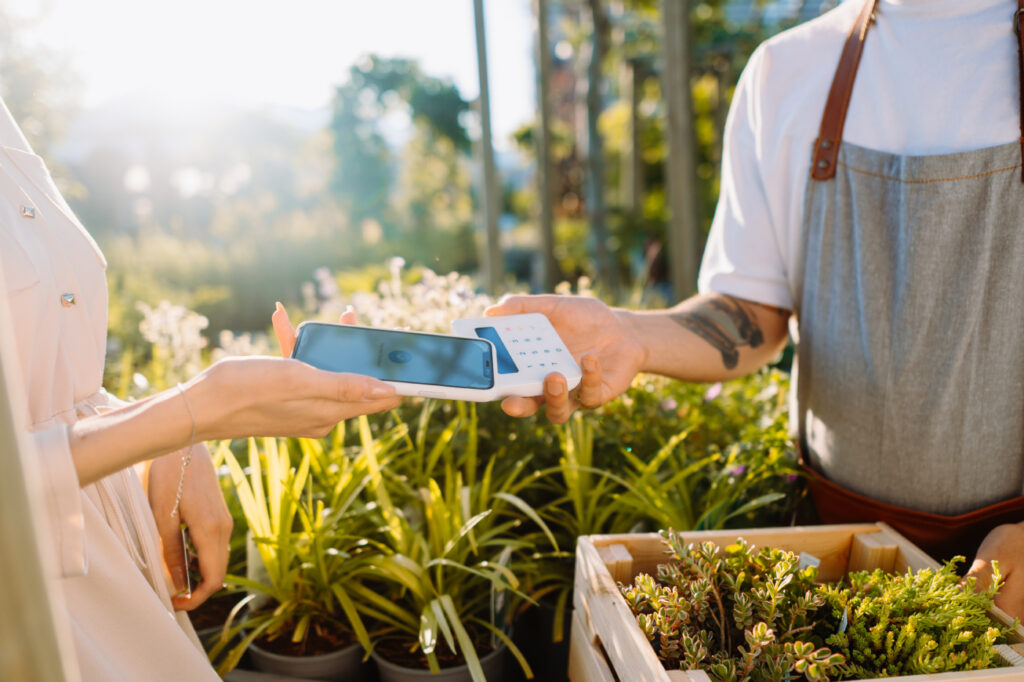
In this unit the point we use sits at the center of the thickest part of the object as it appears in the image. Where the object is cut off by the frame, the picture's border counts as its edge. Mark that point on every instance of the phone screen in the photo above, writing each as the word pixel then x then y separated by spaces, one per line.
pixel 396 355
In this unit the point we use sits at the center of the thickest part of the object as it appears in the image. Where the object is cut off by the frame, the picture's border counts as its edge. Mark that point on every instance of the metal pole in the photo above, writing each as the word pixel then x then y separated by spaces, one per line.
pixel 489 194
pixel 549 267
pixel 682 157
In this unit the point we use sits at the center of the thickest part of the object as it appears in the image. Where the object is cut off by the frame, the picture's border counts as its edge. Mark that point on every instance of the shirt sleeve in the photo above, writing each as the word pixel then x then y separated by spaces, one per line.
pixel 62 499
pixel 743 257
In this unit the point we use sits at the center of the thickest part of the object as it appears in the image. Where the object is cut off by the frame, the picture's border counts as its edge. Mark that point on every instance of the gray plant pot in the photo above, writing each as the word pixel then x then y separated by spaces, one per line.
pixel 345 664
pixel 491 663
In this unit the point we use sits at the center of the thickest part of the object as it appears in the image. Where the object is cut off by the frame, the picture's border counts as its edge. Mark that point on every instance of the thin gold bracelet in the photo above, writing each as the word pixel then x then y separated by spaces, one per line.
pixel 186 459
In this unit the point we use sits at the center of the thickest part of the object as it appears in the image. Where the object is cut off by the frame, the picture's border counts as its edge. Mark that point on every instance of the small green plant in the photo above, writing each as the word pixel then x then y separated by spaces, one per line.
pixel 748 615
pixel 915 623
pixel 450 547
pixel 741 613
pixel 311 554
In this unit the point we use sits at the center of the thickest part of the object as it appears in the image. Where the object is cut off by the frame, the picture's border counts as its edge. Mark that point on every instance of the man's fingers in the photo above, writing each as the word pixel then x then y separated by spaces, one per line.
pixel 556 398
pixel 981 571
pixel 1011 597
pixel 521 407
pixel 590 384
pixel 508 305
pixel 349 316
pixel 515 305
pixel 283 330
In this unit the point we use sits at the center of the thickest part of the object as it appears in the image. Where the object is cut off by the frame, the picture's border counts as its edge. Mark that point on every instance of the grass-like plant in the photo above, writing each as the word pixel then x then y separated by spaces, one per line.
pixel 312 553
pixel 451 544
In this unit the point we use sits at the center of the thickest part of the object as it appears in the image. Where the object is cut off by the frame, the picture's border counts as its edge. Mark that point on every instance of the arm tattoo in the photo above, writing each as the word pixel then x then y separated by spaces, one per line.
pixel 726 323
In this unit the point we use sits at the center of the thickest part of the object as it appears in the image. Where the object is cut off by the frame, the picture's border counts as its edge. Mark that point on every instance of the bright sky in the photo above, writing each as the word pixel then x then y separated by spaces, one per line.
pixel 263 52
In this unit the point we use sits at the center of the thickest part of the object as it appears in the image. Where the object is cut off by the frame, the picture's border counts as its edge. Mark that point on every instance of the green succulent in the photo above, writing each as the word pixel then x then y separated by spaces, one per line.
pixel 753 615
pixel 740 613
pixel 915 623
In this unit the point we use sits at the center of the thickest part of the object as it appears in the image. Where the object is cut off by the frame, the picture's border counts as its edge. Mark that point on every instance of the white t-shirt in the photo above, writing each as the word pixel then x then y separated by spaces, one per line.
pixel 935 77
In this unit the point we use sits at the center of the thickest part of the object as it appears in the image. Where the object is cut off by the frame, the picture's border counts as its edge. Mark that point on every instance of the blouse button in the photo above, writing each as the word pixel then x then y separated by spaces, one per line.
pixel 67 300
pixel 28 211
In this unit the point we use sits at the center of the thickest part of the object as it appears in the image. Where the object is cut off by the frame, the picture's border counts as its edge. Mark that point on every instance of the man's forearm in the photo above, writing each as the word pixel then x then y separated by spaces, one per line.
pixel 709 337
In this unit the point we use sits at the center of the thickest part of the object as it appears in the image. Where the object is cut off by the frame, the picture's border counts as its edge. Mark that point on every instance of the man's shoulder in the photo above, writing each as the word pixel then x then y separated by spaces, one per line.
pixel 810 48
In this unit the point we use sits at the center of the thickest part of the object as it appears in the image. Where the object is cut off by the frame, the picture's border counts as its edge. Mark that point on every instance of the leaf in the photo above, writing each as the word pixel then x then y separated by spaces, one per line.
pixel 442 622
pixel 476 671
pixel 428 629
pixel 507 641
pixel 522 506
pixel 466 527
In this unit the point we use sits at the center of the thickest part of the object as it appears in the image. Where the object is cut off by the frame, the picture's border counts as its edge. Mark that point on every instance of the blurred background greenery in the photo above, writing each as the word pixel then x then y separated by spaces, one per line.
pixel 225 202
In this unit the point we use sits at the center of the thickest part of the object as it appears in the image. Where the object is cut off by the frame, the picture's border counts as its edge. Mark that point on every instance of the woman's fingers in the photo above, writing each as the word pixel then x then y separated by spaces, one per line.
pixel 283 329
pixel 349 316
pixel 354 388
pixel 285 332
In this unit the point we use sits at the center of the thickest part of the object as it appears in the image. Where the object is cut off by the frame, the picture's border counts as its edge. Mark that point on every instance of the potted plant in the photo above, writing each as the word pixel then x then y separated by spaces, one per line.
pixel 451 561
pixel 310 555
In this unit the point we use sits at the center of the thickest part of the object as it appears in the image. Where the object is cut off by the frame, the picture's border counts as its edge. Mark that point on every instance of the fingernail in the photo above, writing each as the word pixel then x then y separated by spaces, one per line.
pixel 555 388
pixel 376 391
pixel 589 363
pixel 349 308
pixel 278 307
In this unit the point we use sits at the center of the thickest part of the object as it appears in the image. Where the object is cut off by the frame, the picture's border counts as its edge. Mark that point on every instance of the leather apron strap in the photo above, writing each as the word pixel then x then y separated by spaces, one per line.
pixel 941 536
pixel 830 134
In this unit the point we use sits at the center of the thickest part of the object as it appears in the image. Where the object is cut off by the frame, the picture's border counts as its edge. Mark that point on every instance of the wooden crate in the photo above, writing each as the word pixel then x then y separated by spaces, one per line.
pixel 608 646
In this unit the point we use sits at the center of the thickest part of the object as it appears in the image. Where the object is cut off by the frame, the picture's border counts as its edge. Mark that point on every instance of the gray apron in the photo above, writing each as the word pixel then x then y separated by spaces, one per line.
pixel 911 353
pixel 910 385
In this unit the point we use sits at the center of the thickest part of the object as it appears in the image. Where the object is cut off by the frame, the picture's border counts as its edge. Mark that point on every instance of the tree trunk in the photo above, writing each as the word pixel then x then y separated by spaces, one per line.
pixel 681 184
pixel 595 149
pixel 489 197
pixel 548 266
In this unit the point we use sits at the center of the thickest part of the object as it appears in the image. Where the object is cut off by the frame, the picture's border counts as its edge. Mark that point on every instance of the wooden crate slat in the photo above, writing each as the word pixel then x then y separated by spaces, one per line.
pixel 869 551
pixel 611 619
pixel 586 660
pixel 618 561
pixel 990 675
pixel 1010 656
pixel 830 544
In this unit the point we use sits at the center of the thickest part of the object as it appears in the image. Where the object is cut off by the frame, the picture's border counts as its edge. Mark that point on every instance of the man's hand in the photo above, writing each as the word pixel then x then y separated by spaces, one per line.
pixel 598 338
pixel 203 510
pixel 1005 544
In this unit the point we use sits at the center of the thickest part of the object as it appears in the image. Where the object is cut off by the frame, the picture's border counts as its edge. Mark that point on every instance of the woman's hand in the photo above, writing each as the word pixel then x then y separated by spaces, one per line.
pixel 202 509
pixel 263 396
pixel 285 332
pixel 605 348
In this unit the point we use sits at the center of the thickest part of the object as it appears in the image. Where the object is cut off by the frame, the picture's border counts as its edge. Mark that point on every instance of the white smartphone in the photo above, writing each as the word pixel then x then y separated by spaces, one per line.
pixel 491 358
pixel 415 363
